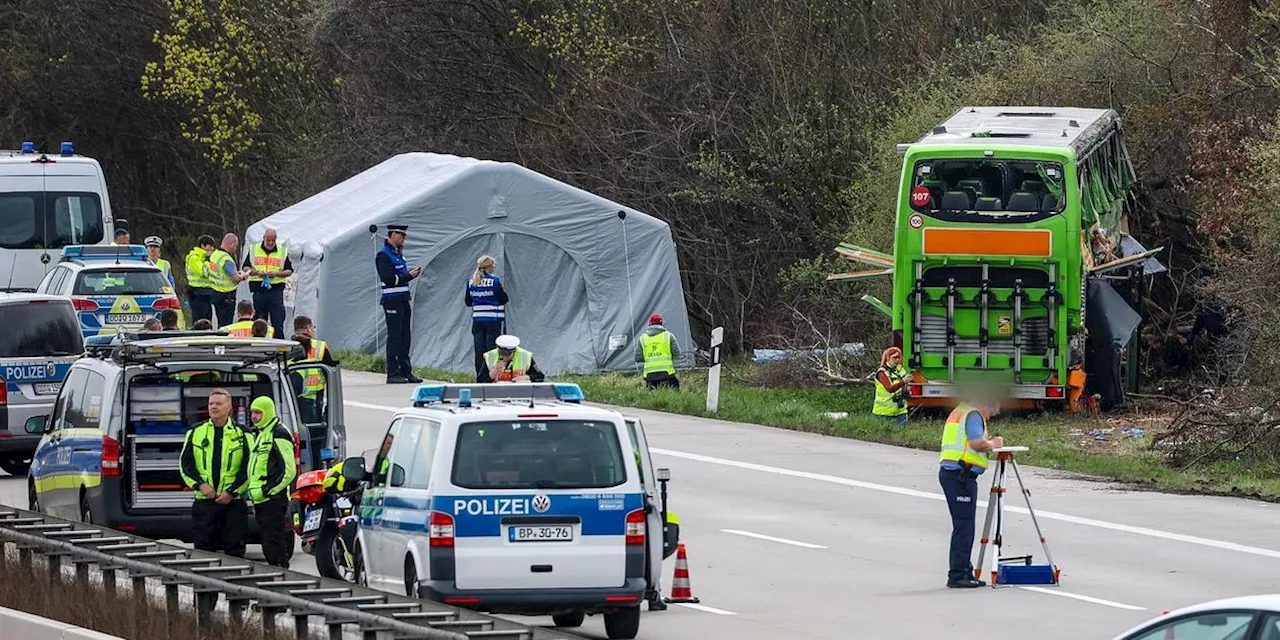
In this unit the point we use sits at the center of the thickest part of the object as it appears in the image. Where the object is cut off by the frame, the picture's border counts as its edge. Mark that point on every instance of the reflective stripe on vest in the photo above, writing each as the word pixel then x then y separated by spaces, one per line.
pixel 218 278
pixel 885 405
pixel 197 269
pixel 955 443
pixel 484 300
pixel 517 367
pixel 244 329
pixel 401 269
pixel 657 353
pixel 313 379
pixel 267 262
pixel 234 447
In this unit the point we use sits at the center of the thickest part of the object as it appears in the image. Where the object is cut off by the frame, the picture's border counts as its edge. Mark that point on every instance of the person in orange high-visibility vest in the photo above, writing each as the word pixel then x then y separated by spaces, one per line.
pixel 963 457
pixel 309 384
pixel 243 326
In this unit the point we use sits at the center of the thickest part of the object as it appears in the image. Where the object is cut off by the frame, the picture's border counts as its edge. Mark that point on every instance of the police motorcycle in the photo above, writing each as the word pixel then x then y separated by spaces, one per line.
pixel 325 515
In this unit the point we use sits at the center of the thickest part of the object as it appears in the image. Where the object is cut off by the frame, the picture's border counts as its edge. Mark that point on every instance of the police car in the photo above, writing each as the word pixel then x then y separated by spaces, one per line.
pixel 113 288
pixel 514 498
pixel 39 339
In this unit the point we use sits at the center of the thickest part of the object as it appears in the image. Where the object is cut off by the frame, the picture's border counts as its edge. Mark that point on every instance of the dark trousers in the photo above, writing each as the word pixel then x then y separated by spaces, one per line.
pixel 661 379
pixel 268 304
pixel 224 304
pixel 220 527
pixel 201 304
pixel 398 314
pixel 485 335
pixel 961 489
pixel 276 530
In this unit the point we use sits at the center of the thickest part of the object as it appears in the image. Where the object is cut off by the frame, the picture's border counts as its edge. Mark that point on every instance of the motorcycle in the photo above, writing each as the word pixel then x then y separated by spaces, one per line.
pixel 326 520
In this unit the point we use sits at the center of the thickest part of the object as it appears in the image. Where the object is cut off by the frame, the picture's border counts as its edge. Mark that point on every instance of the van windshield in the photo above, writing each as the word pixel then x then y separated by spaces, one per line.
pixel 42 329
pixel 49 219
pixel 553 454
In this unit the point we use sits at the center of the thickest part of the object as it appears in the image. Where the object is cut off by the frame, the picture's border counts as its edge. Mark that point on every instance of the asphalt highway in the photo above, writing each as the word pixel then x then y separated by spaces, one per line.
pixel 793 535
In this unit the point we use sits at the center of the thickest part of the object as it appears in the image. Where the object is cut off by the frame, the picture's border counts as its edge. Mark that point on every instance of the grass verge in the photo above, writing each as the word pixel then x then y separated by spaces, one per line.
pixel 1058 441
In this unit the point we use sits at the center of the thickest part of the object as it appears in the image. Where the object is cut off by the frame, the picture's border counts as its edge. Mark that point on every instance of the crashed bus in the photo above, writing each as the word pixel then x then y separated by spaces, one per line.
pixel 1012 262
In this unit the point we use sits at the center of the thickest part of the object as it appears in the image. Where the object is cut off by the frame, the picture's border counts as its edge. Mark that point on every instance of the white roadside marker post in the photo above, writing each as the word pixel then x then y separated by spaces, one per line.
pixel 713 376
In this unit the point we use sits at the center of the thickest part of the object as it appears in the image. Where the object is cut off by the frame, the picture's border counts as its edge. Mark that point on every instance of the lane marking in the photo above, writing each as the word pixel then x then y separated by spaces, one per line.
pixel 1050 515
pixel 761 536
pixel 704 608
pixel 1076 596
pixel 902 491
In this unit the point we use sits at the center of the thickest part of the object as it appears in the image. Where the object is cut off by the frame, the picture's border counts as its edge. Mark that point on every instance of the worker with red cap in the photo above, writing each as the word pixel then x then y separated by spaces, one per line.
pixel 657 351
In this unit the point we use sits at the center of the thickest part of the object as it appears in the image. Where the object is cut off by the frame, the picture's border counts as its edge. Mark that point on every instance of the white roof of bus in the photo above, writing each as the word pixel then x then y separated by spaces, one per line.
pixel 1022 126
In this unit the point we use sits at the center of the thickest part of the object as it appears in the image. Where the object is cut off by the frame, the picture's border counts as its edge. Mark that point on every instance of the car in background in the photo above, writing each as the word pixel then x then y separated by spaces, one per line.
pixel 1242 618
pixel 39 340
pixel 113 288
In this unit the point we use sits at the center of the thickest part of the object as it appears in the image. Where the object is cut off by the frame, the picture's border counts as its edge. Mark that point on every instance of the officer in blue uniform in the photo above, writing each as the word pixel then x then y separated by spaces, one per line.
pixel 395 276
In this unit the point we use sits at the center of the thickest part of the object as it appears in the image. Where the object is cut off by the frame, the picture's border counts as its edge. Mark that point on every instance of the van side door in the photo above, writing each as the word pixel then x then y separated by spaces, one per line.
pixel 321 422
pixel 654 517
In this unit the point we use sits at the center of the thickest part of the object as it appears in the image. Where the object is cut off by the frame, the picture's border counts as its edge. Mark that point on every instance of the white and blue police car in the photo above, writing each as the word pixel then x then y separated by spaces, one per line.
pixel 516 499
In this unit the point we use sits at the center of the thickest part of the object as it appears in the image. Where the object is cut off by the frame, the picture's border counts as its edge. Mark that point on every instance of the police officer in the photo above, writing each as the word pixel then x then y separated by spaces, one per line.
pixel 272 469
pixel 243 326
pixel 269 265
pixel 891 391
pixel 153 244
pixel 509 362
pixel 488 301
pixel 311 385
pixel 395 276
pixel 658 350
pixel 963 458
pixel 199 286
pixel 121 237
pixel 214 464
pixel 224 278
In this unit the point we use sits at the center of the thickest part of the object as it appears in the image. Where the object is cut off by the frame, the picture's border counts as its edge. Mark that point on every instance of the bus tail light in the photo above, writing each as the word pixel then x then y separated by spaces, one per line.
pixel 1053 392
pixel 915 389
pixel 110 457
pixel 441 529
pixel 635 527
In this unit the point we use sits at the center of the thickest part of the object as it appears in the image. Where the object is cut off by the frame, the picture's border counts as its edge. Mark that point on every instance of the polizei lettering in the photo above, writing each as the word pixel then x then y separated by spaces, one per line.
pixel 492 507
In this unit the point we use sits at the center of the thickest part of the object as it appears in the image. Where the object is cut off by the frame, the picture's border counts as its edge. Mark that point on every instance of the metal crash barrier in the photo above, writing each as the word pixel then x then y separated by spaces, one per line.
pixel 275 593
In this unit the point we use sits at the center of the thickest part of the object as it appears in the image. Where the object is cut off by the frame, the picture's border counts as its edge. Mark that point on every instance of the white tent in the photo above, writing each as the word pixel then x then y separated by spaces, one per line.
pixel 583 273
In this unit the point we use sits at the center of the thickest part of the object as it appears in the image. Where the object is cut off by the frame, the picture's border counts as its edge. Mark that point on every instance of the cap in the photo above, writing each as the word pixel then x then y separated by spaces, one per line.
pixel 398 228
pixel 153 241
pixel 655 318
pixel 508 342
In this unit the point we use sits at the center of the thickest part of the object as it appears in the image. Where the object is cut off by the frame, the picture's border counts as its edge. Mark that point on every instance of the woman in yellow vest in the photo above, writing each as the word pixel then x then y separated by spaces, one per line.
pixel 891 389
pixel 962 459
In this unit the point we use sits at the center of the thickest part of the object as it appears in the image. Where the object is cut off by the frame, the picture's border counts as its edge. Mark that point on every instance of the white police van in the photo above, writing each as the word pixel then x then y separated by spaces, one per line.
pixel 515 498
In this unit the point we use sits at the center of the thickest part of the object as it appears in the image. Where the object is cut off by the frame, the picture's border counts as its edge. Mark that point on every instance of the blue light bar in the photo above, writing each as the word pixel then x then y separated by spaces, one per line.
pixel 68 149
pixel 568 392
pixel 428 393
pixel 28 147
pixel 105 252
pixel 464 398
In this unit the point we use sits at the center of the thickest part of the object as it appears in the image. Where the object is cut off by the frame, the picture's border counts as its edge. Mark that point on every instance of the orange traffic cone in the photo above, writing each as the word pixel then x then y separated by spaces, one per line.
pixel 680 589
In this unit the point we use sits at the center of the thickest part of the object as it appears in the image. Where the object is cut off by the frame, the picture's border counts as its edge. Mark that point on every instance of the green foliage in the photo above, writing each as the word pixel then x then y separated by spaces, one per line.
pixel 221 61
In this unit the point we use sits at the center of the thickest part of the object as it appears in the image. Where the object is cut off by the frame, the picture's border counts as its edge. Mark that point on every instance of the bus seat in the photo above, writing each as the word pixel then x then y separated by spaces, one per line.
pixel 1050 203
pixel 1023 201
pixel 978 187
pixel 956 201
pixel 1034 186
pixel 988 204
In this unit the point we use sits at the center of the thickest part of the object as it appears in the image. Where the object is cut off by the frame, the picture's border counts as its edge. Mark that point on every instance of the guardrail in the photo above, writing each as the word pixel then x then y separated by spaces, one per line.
pixel 273 591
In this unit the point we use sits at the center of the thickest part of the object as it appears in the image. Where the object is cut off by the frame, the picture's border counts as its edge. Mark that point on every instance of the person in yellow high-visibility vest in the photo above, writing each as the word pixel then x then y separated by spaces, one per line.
pixel 269 266
pixel 310 388
pixel 658 351
pixel 510 363
pixel 963 457
pixel 153 244
pixel 243 326
pixel 199 285
pixel 225 278
pixel 891 391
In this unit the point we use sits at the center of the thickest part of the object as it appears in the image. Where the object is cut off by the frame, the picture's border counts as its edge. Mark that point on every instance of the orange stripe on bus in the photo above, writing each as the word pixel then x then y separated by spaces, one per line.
pixel 979 242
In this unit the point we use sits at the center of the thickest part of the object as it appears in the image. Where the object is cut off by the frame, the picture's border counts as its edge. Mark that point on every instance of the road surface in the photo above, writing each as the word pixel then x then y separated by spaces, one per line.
pixel 794 535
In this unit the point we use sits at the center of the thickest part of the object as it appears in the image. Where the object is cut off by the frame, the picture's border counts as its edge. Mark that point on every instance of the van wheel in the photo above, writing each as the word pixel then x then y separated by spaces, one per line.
pixel 622 624
pixel 361 578
pixel 33 500
pixel 16 466
pixel 411 579
pixel 571 619
pixel 86 514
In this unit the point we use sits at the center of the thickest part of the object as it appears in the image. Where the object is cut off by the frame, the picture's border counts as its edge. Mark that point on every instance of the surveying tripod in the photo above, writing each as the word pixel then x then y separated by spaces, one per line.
pixel 1026 573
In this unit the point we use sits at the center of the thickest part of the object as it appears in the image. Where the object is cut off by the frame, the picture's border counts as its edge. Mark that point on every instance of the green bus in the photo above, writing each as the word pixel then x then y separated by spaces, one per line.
pixel 1012 264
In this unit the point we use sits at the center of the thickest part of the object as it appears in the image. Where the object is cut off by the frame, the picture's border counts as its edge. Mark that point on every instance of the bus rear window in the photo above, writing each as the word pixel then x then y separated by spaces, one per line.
pixel 988 188
pixel 553 454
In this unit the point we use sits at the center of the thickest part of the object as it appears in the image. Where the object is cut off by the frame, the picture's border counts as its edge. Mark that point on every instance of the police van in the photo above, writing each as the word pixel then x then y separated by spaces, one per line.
pixel 518 499
pixel 39 340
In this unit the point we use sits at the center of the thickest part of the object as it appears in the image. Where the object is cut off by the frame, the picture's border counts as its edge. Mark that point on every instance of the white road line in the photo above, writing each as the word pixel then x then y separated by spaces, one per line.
pixel 1076 596
pixel 760 536
pixel 1049 515
pixel 902 491
pixel 704 608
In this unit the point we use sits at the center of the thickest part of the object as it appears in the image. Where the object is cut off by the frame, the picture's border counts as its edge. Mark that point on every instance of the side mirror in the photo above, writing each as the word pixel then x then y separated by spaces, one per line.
pixel 397 476
pixel 663 474
pixel 353 470
pixel 35 424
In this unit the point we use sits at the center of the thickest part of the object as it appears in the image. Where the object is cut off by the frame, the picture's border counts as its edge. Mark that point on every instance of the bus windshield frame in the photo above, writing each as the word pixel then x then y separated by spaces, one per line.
pixel 987 184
